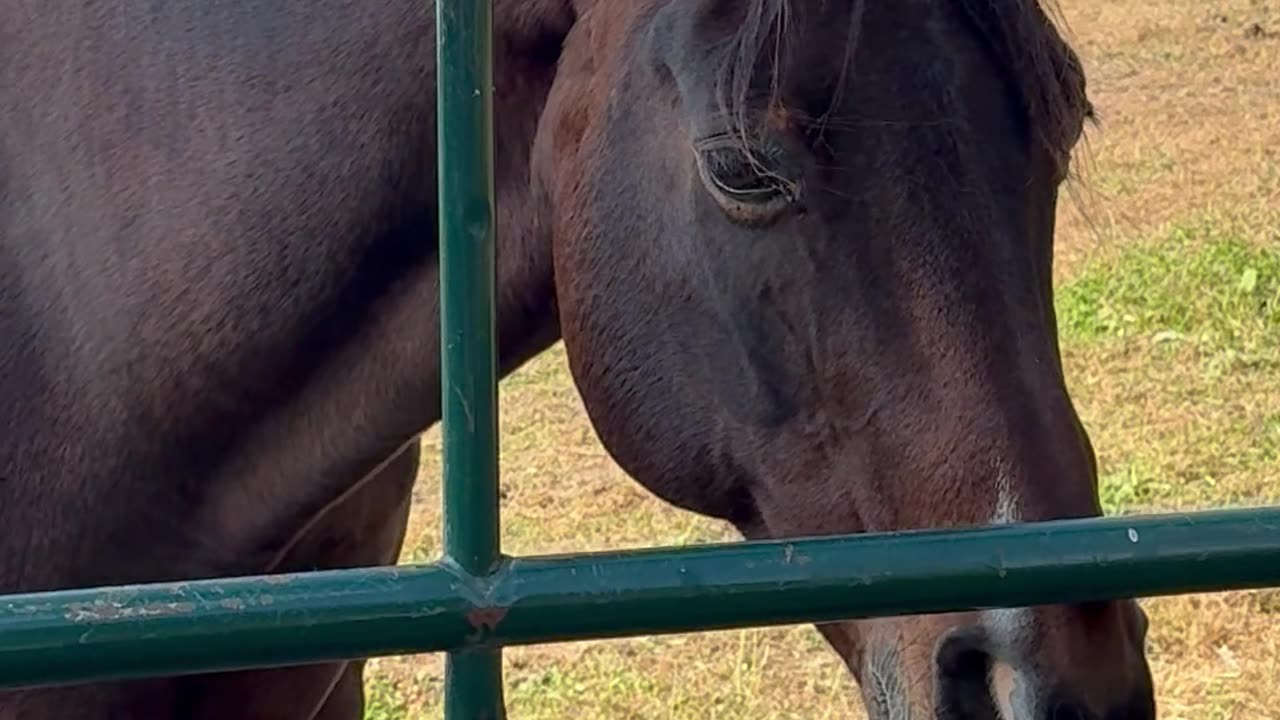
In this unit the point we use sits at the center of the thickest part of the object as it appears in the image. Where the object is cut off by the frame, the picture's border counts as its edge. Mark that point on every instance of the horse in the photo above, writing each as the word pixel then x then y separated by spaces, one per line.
pixel 799 254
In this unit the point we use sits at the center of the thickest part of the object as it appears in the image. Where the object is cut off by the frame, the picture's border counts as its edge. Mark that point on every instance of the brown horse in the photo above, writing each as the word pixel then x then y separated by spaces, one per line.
pixel 799 253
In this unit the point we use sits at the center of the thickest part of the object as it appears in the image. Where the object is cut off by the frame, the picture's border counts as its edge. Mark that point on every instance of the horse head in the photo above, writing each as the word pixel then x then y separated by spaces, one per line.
pixel 803 253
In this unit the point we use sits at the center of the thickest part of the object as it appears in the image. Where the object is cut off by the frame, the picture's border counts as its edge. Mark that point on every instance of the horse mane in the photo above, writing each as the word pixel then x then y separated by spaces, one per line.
pixel 1048 73
pixel 1022 33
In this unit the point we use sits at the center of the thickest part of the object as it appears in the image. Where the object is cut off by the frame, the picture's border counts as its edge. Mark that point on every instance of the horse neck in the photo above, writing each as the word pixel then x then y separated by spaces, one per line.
pixel 527 39
pixel 400 346
pixel 280 447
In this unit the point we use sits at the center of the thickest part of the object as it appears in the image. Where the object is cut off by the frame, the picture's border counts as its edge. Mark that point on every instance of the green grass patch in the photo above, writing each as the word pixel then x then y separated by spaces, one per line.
pixel 1134 485
pixel 1172 351
pixel 384 700
pixel 1199 286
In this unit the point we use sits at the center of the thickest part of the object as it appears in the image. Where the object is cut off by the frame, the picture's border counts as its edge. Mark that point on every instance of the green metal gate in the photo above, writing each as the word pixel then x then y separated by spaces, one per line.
pixel 476 600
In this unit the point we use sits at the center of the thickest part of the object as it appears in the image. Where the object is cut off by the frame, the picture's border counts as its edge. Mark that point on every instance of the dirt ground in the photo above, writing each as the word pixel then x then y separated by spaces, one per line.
pixel 1189 107
pixel 1186 161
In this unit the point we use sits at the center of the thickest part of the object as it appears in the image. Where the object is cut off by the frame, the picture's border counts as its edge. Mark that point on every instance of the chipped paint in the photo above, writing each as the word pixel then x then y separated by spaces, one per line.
pixel 104 610
pixel 791 557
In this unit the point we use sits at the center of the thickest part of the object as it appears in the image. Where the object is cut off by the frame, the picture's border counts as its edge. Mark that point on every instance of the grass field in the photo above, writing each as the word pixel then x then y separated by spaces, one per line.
pixel 1169 302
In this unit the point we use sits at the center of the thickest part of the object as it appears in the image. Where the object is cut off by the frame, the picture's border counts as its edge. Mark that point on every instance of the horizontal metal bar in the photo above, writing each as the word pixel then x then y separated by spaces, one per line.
pixel 174 628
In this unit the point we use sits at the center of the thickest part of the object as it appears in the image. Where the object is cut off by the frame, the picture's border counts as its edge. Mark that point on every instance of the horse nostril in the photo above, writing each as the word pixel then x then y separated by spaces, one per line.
pixel 963 666
pixel 962 652
pixel 1067 711
pixel 1141 707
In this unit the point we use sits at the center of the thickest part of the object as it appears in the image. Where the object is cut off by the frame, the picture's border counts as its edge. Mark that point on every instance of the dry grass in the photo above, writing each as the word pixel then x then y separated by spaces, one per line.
pixel 1189 113
pixel 1173 357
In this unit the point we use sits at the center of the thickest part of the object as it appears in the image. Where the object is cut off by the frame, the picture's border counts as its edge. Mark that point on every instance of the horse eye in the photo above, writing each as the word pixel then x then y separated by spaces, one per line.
pixel 744 178
pixel 749 187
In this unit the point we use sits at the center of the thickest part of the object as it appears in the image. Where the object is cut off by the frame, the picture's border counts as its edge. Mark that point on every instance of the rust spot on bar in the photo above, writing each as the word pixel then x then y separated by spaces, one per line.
pixel 486 618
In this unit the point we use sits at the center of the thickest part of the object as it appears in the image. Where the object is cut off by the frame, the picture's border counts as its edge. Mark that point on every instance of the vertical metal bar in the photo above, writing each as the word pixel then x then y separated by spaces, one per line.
pixel 469 372
pixel 464 62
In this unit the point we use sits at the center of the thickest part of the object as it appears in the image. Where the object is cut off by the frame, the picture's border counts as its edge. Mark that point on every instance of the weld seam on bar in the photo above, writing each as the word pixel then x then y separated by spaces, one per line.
pixel 260 622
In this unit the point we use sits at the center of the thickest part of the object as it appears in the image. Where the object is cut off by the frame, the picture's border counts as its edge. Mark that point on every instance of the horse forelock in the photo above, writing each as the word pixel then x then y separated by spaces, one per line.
pixel 762 29
pixel 1045 69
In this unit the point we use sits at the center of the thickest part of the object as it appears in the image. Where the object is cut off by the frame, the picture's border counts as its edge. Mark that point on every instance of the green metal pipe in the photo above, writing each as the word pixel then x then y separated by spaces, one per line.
pixel 168 629
pixel 469 392
pixel 468 356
